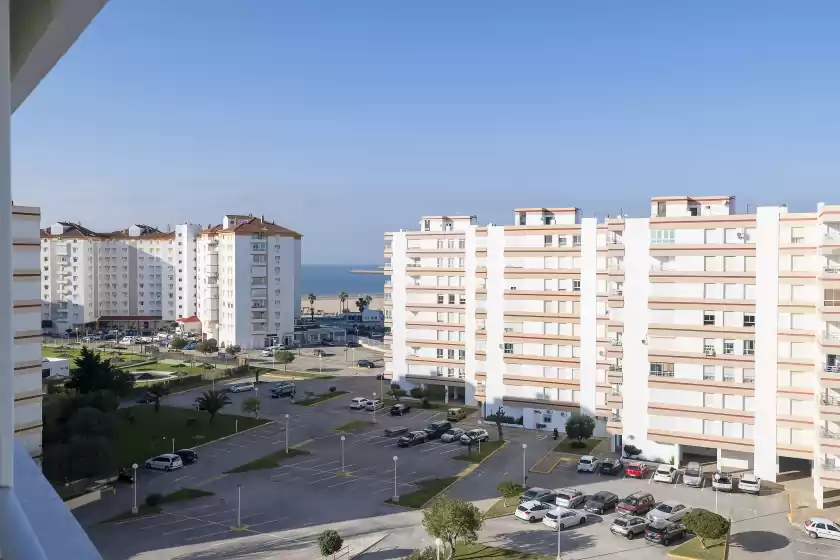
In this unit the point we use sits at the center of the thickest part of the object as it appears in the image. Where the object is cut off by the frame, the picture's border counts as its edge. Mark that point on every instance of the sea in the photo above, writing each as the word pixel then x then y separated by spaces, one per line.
pixel 330 279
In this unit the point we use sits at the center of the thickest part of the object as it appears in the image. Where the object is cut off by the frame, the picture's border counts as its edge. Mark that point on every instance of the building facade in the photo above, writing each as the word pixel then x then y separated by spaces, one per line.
pixel 696 331
pixel 249 277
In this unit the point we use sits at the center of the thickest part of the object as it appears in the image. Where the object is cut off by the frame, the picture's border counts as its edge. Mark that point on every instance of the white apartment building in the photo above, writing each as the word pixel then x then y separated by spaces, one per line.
pixel 695 331
pixel 137 275
pixel 249 273
pixel 26 328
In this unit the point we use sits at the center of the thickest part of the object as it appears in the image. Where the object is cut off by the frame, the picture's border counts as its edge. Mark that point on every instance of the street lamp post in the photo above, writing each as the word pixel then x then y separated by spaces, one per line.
pixel 287 434
pixel 558 543
pixel 342 453
pixel 173 445
pixel 320 362
pixel 134 509
pixel 239 505
pixel 438 542
pixel 395 479
pixel 374 409
pixel 524 447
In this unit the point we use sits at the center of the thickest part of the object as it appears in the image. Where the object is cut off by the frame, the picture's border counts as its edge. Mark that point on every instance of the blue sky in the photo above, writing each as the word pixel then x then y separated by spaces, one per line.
pixel 344 119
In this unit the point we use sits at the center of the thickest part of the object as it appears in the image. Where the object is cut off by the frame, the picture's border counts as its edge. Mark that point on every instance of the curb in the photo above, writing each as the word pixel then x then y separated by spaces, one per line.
pixel 475 465
pixel 301 444
pixel 540 459
pixel 337 395
pixel 234 435
pixel 376 542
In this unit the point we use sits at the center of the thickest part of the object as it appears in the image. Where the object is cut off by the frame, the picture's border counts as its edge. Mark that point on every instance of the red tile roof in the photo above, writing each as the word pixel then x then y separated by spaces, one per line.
pixel 192 319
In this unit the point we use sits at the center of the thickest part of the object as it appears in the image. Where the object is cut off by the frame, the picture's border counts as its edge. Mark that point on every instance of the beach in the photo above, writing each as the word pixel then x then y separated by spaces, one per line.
pixel 329 305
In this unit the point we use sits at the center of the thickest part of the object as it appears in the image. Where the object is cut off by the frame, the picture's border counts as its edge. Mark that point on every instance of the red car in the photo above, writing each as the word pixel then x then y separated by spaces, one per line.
pixel 636 470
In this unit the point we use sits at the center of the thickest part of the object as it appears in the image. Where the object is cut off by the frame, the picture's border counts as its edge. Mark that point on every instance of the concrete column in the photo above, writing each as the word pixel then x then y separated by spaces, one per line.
pixel 7 390
pixel 446 394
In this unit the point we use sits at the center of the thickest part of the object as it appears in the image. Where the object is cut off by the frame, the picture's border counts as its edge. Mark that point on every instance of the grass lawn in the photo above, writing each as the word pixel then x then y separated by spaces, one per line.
pixel 716 549
pixel 269 461
pixel 151 433
pixel 428 490
pixel 354 425
pixel 482 551
pixel 499 509
pixel 177 496
pixel 320 398
pixel 565 446
pixel 487 448
pixel 301 375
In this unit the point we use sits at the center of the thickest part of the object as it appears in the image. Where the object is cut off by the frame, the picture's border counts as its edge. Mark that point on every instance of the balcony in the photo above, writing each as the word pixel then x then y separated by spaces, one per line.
pixel 831 270
pixel 830 407
pixel 615 399
pixel 616 342
pixel 614 424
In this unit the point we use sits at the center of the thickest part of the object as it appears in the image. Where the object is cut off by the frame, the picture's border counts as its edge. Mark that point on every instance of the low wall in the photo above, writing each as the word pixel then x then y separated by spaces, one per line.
pixel 83 500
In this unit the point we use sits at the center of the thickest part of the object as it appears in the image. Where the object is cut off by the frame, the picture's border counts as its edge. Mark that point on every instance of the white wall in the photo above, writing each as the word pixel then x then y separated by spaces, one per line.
pixel 398 313
pixel 588 315
pixel 495 324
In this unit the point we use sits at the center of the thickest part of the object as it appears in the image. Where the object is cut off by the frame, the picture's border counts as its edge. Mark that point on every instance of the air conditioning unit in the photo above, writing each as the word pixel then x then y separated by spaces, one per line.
pixel 709 352
pixel 741 235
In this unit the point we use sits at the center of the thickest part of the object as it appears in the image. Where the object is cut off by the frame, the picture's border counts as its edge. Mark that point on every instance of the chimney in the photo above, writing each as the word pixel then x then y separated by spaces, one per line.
pixel 262 218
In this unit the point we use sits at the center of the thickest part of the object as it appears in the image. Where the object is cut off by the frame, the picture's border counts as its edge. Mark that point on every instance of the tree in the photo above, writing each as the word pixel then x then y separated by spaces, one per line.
pixel 396 391
pixel 312 297
pixel 428 553
pixel 342 297
pixel 580 427
pixel 177 343
pixel 361 304
pixel 212 401
pixel 157 392
pixel 508 489
pixel 251 405
pixel 330 542
pixel 632 451
pixel 500 414
pixel 418 393
pixel 208 346
pixel 92 373
pixel 284 357
pixel 706 525
pixel 452 520
pixel 368 299
pixel 233 350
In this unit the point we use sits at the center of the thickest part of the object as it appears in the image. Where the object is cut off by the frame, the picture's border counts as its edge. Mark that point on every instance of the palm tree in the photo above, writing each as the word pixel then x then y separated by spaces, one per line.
pixel 312 297
pixel 368 299
pixel 251 405
pixel 157 392
pixel 342 297
pixel 212 401
pixel 361 304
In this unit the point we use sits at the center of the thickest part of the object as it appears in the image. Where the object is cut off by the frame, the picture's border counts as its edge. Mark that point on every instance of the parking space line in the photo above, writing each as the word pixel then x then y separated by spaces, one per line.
pixel 252 525
pixel 146 518
pixel 209 535
pixel 325 464
pixel 348 481
pixel 448 450
pixel 322 479
pixel 832 545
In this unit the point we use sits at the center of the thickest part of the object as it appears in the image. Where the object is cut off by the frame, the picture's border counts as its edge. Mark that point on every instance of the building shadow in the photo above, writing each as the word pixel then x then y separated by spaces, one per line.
pixel 540 542
pixel 758 541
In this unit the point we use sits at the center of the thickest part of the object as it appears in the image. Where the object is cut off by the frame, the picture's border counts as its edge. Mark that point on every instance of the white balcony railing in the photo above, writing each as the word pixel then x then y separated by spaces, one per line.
pixel 831 269
pixel 831 368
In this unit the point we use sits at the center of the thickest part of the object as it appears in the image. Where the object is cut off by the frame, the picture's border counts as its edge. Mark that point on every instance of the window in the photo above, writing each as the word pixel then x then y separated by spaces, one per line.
pixel 450 354
pixel 749 347
pixel 660 209
pixel 749 320
pixel 522 218
pixel 728 346
pixel 708 317
pixel 440 352
pixel 463 299
pixel 547 240
pixel 797 235
pixel 462 354
pixel 561 241
pixel 749 377
pixel 709 373
pixel 662 369
pixel 440 299
pixel 576 240
pixel 451 299
pixel 662 237
pixel 575 285
pixel 728 374
pixel 508 348
pixel 548 220
pixel 427 225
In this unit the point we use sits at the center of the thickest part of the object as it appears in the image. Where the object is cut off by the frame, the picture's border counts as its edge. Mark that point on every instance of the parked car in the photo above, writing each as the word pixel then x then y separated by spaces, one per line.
pixel 127 340
pixel 374 404
pixel 126 475
pixel 637 503
pixel 267 353
pixel 611 466
pixel 670 510
pixel 241 387
pixel 148 398
pixel 722 482
pixel 818 527
pixel 320 354
pixel 629 526
pixel 601 502
pixel 475 435
pixel 636 470
pixel 539 495
pixel 560 518
pixel 750 484
pixel 282 389
pixel 166 462
pixel 532 511
pixel 395 430
pixel 358 403
pixel 412 438
pixel 327 343
pixel 569 498
pixel 693 475
pixel 664 532
pixel 665 473
pixel 365 364
pixel 587 463
pixel 452 435
pixel 187 455
pixel 400 409
pixel 455 414
pixel 190 346
pixel 353 345
pixel 437 429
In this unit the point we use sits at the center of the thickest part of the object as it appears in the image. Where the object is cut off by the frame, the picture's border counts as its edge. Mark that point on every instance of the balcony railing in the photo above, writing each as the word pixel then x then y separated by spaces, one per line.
pixel 831 368
pixel 615 342
pixel 659 373
pixel 829 400
pixel 830 466
pixel 614 367
pixel 829 434
pixel 831 269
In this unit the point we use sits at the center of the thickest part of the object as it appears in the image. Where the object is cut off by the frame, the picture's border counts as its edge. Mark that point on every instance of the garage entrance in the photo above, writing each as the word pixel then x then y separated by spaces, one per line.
pixel 702 455
pixel 793 468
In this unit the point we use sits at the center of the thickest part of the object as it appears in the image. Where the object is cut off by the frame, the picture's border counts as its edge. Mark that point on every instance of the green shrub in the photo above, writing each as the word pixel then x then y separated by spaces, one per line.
pixel 190 422
pixel 425 403
pixel 153 500
pixel 706 525
pixel 418 392
pixel 505 419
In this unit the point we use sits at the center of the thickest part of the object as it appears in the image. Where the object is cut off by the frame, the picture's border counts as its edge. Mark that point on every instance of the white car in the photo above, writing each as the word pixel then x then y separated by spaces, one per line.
pixel 569 498
pixel 452 435
pixel 474 436
pixel 561 518
pixel 722 482
pixel 127 340
pixel 665 473
pixel 588 463
pixel 374 404
pixel 670 510
pixel 166 462
pixel 241 387
pixel 358 403
pixel 749 484
pixel 267 353
pixel 532 511
pixel 817 527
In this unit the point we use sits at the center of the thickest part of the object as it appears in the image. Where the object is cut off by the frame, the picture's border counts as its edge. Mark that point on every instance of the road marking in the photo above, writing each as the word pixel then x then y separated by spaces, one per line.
pixel 325 464
pixel 145 518
pixel 832 545
pixel 348 481
pixel 211 535
pixel 323 479
pixel 252 525
pixel 182 478
pixel 435 446
pixel 815 554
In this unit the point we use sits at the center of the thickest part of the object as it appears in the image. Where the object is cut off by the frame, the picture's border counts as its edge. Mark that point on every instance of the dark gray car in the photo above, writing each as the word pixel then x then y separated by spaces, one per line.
pixel 539 495
pixel 601 502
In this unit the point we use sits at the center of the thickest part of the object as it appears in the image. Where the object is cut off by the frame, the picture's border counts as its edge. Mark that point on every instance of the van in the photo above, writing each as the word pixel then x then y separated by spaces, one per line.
pixel 455 414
